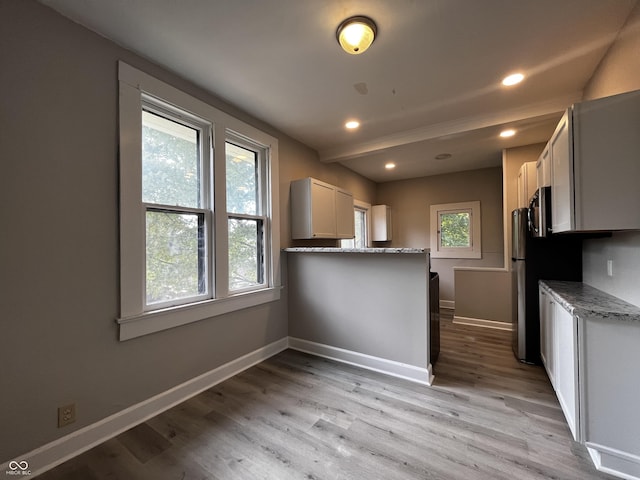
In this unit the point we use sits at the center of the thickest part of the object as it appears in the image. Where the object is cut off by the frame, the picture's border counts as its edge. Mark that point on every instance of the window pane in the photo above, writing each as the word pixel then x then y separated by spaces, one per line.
pixel 455 230
pixel 175 256
pixel 170 162
pixel 245 253
pixel 242 180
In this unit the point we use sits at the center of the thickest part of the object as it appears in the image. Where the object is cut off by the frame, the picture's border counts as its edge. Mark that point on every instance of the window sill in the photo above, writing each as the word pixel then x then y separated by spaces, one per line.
pixel 156 321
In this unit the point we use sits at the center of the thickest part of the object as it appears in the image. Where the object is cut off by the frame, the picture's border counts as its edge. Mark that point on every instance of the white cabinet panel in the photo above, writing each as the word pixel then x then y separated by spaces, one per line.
pixel 543 169
pixel 566 350
pixel 594 165
pixel 320 210
pixel 559 352
pixel 323 204
pixel 561 152
pixel 381 220
pixel 526 183
pixel 345 225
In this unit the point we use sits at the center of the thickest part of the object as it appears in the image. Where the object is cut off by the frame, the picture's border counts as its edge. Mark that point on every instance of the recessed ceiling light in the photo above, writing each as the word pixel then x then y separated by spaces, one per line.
pixel 442 156
pixel 352 124
pixel 512 79
pixel 390 166
pixel 507 133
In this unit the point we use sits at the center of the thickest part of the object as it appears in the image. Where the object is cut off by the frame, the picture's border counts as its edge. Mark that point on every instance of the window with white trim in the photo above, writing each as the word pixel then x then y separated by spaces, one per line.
pixel 455 230
pixel 199 232
pixel 245 213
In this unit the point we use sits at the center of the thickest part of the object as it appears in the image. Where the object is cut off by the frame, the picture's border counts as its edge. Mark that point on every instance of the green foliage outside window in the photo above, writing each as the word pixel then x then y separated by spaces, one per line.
pixel 174 239
pixel 455 230
pixel 246 249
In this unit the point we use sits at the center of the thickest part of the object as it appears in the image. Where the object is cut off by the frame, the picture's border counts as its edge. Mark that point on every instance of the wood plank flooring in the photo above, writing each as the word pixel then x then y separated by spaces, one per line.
pixel 296 416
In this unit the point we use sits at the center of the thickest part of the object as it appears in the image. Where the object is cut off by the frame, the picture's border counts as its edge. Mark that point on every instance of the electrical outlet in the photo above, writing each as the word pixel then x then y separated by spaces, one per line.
pixel 66 414
pixel 610 268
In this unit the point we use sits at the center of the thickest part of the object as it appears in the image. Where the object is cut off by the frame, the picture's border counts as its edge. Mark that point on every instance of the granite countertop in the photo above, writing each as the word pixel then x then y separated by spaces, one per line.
pixel 586 301
pixel 354 250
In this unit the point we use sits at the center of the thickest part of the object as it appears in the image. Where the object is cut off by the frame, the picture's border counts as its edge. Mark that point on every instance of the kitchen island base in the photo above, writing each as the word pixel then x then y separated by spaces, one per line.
pixel 368 308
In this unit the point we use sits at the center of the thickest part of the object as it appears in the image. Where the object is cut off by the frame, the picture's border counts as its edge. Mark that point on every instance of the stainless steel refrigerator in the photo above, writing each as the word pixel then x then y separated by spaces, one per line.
pixel 557 257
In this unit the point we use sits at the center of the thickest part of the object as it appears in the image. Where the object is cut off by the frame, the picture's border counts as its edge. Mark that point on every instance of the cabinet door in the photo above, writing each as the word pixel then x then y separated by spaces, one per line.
pixel 544 331
pixel 550 339
pixel 323 210
pixel 543 169
pixel 381 219
pixel 566 366
pixel 521 188
pixel 345 227
pixel 562 194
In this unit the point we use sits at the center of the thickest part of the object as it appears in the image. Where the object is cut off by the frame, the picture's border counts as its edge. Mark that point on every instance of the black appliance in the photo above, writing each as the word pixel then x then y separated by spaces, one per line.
pixel 555 257
pixel 434 315
pixel 540 213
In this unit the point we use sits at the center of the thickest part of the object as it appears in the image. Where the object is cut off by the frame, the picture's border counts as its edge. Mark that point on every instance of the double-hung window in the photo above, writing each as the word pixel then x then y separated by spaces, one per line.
pixel 176 155
pixel 199 230
pixel 245 213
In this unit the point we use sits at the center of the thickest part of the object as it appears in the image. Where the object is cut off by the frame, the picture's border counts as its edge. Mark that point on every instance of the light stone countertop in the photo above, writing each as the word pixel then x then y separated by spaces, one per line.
pixel 354 250
pixel 586 301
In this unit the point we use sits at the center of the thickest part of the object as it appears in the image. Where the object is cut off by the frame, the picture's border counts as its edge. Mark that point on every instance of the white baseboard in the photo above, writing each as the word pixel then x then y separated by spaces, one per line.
pixel 448 304
pixel 52 454
pixel 420 375
pixel 614 462
pixel 478 322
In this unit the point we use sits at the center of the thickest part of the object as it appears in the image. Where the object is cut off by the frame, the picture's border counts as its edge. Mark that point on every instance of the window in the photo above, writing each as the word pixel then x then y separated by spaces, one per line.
pixel 246 221
pixel 455 230
pixel 175 156
pixel 361 223
pixel 182 258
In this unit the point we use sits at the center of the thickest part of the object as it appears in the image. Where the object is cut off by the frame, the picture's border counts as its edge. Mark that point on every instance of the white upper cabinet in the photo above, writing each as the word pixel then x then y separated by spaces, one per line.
pixel 381 219
pixel 345 224
pixel 320 210
pixel 595 166
pixel 543 169
pixel 526 183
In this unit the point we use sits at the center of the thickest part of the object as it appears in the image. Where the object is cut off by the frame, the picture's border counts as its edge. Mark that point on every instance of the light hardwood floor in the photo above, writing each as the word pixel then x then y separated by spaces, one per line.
pixel 296 416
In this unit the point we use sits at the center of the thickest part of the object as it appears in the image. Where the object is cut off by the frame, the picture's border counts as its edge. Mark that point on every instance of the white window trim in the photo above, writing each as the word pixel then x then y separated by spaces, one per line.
pixel 133 320
pixel 475 251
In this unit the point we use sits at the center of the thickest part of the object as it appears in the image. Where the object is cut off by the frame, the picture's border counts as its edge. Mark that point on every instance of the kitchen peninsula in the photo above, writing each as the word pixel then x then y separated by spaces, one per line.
pixel 368 307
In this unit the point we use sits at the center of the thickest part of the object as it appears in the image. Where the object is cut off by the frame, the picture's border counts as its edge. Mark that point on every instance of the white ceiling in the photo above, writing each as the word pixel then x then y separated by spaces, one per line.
pixel 432 77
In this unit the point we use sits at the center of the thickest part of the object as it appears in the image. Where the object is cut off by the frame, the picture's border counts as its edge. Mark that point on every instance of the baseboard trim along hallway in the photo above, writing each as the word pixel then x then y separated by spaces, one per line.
pixel 479 322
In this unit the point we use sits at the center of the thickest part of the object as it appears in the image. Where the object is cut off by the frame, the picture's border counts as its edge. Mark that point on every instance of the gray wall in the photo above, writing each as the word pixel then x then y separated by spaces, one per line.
pixel 410 201
pixel 342 300
pixel 618 72
pixel 59 244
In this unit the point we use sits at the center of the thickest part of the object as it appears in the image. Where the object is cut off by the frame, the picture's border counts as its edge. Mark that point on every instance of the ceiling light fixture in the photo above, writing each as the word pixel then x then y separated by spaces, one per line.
pixel 356 34
pixel 507 133
pixel 352 124
pixel 512 79
pixel 390 166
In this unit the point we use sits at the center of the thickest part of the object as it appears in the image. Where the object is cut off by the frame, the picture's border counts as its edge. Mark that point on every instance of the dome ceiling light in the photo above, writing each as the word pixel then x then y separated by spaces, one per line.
pixel 356 34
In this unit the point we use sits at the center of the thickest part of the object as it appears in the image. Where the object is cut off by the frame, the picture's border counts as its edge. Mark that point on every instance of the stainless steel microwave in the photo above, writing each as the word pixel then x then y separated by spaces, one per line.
pixel 540 213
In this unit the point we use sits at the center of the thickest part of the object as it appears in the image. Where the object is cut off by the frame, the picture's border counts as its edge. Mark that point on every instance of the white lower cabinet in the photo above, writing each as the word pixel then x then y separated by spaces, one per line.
pixel 609 361
pixel 559 352
pixel 591 355
pixel 566 354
